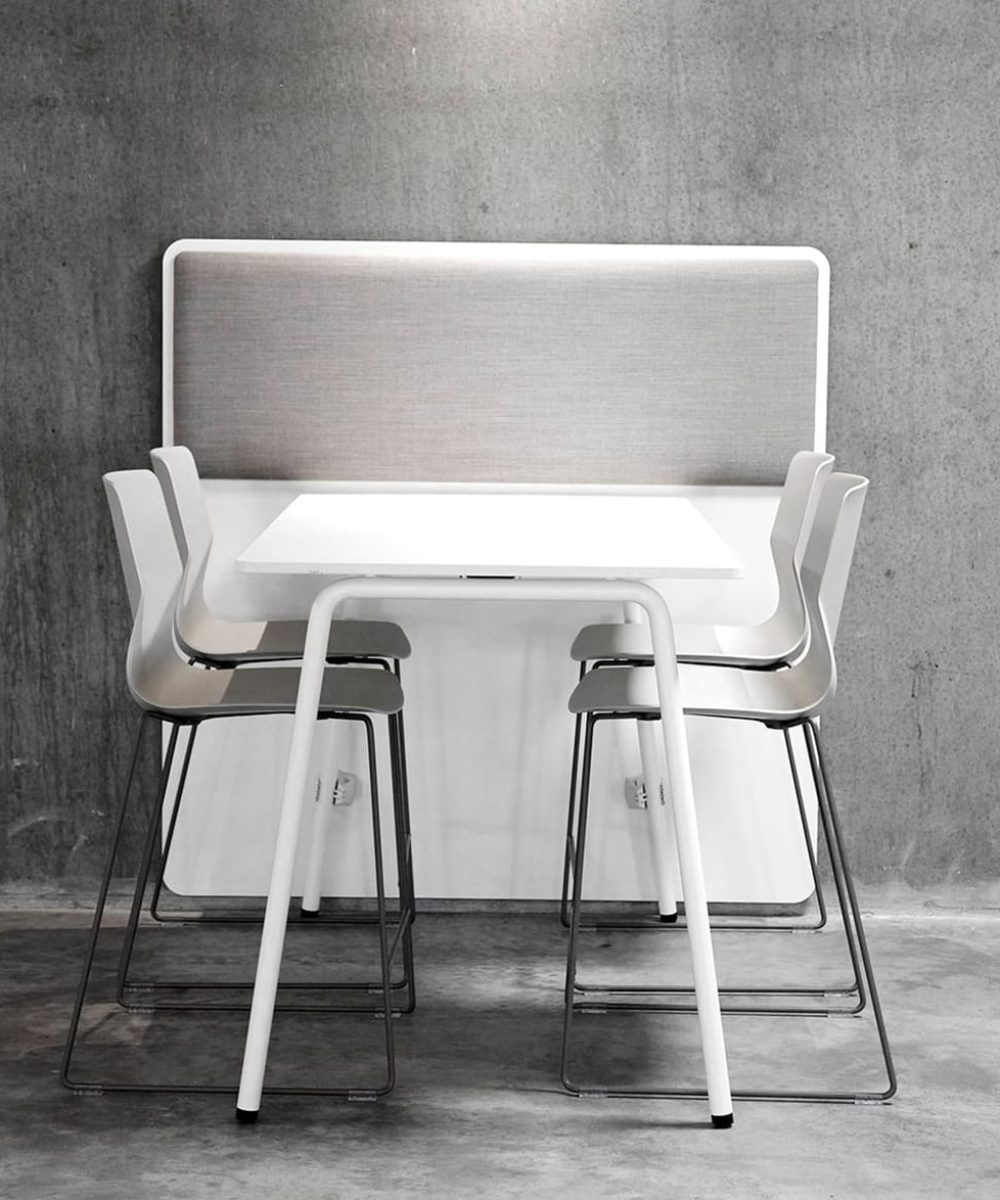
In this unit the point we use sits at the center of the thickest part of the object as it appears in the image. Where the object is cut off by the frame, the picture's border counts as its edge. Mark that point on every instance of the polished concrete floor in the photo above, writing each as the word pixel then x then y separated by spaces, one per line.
pixel 478 1109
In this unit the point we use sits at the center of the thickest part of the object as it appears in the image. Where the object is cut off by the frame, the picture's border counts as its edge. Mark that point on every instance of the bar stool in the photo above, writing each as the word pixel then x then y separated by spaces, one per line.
pixel 173 692
pixel 779 640
pixel 215 642
pixel 785 700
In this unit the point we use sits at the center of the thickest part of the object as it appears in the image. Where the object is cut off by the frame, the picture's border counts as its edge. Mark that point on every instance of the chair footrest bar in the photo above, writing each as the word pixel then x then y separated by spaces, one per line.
pixel 679 990
pixel 728 1009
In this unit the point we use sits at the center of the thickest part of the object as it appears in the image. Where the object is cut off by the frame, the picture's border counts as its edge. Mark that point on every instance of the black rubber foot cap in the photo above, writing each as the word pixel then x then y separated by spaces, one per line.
pixel 668 918
pixel 306 913
pixel 248 1116
pixel 724 1122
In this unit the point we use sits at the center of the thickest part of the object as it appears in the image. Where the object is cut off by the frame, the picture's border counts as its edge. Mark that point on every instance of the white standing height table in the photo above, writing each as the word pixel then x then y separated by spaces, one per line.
pixel 513 545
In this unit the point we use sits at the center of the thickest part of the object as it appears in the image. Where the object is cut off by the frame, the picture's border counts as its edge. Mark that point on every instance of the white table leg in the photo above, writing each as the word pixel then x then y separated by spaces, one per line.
pixel 689 857
pixel 272 940
pixel 678 773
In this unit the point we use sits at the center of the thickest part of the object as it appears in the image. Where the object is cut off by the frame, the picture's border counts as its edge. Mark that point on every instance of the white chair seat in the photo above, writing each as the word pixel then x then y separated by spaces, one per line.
pixel 349 638
pixel 238 643
pixel 709 691
pixel 732 645
pixel 272 691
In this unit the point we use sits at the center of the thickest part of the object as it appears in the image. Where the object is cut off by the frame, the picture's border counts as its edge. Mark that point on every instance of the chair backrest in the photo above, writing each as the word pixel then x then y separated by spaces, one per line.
pixel 152 569
pixel 829 556
pixel 826 566
pixel 785 634
pixel 807 473
pixel 200 633
pixel 177 472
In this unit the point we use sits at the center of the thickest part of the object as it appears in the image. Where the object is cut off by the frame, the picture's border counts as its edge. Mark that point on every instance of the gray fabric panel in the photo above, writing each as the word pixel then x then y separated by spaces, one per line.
pixel 530 370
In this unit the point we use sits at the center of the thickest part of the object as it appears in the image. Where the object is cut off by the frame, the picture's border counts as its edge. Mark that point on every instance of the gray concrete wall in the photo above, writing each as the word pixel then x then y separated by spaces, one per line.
pixel 863 128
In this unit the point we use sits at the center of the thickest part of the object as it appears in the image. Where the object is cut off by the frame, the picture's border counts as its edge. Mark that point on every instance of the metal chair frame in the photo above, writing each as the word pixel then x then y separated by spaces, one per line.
pixel 366 1091
pixel 171 691
pixel 673 921
pixel 782 701
pixel 853 926
pixel 132 994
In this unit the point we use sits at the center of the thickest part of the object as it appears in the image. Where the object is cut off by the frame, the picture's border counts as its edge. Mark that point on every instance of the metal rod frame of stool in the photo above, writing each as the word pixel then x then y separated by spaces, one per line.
pixel 673 922
pixel 185 917
pixel 853 988
pixel 851 914
pixel 141 994
pixel 385 1012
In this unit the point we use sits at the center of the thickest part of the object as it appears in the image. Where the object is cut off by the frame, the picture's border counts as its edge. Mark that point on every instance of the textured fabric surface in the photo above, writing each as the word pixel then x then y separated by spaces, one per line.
pixel 561 365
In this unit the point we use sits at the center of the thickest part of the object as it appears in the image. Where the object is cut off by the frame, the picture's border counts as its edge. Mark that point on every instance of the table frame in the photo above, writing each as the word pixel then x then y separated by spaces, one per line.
pixel 679 790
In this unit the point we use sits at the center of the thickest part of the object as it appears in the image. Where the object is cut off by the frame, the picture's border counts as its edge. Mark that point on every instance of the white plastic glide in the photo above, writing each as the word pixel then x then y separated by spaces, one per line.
pixel 678 779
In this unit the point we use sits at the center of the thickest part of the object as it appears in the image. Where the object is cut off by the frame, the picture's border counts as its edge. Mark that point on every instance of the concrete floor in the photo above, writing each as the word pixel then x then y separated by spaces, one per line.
pixel 478 1110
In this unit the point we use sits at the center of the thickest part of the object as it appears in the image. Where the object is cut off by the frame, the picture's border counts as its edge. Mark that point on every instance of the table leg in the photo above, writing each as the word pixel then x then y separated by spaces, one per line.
pixel 681 795
pixel 272 940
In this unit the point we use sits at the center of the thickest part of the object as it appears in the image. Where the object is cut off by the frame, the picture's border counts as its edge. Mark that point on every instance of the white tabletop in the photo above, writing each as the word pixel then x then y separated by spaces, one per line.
pixel 527 535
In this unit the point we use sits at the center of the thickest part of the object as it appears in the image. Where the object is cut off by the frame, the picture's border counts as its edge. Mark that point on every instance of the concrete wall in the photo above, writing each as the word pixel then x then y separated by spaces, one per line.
pixel 862 128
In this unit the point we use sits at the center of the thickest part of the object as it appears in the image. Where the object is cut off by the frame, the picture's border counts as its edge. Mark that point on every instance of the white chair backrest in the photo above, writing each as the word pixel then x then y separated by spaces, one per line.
pixel 152 569
pixel 843 495
pixel 785 634
pixel 199 631
pixel 807 472
pixel 826 567
pixel 177 472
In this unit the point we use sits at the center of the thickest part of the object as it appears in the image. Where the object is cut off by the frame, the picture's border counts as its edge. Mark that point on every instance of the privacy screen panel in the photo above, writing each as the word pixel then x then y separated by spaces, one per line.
pixel 493 363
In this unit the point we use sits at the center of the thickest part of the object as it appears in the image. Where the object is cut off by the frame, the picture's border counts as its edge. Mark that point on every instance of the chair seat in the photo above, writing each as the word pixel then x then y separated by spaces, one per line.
pixel 348 638
pixel 345 689
pixel 617 640
pixel 190 693
pixel 724 645
pixel 705 691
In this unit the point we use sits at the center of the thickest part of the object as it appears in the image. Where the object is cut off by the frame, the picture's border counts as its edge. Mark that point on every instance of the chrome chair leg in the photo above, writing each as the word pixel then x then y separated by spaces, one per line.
pixel 854 933
pixel 825 791
pixel 571 815
pixel 143 994
pixel 168 842
pixel 386 951
pixel 95 928
pixel 142 878
pixel 182 917
pixel 853 988
pixel 672 922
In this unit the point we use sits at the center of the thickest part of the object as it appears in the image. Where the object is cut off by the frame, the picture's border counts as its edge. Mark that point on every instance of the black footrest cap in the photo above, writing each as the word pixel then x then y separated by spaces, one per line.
pixel 306 913
pixel 668 918
pixel 248 1116
pixel 723 1122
